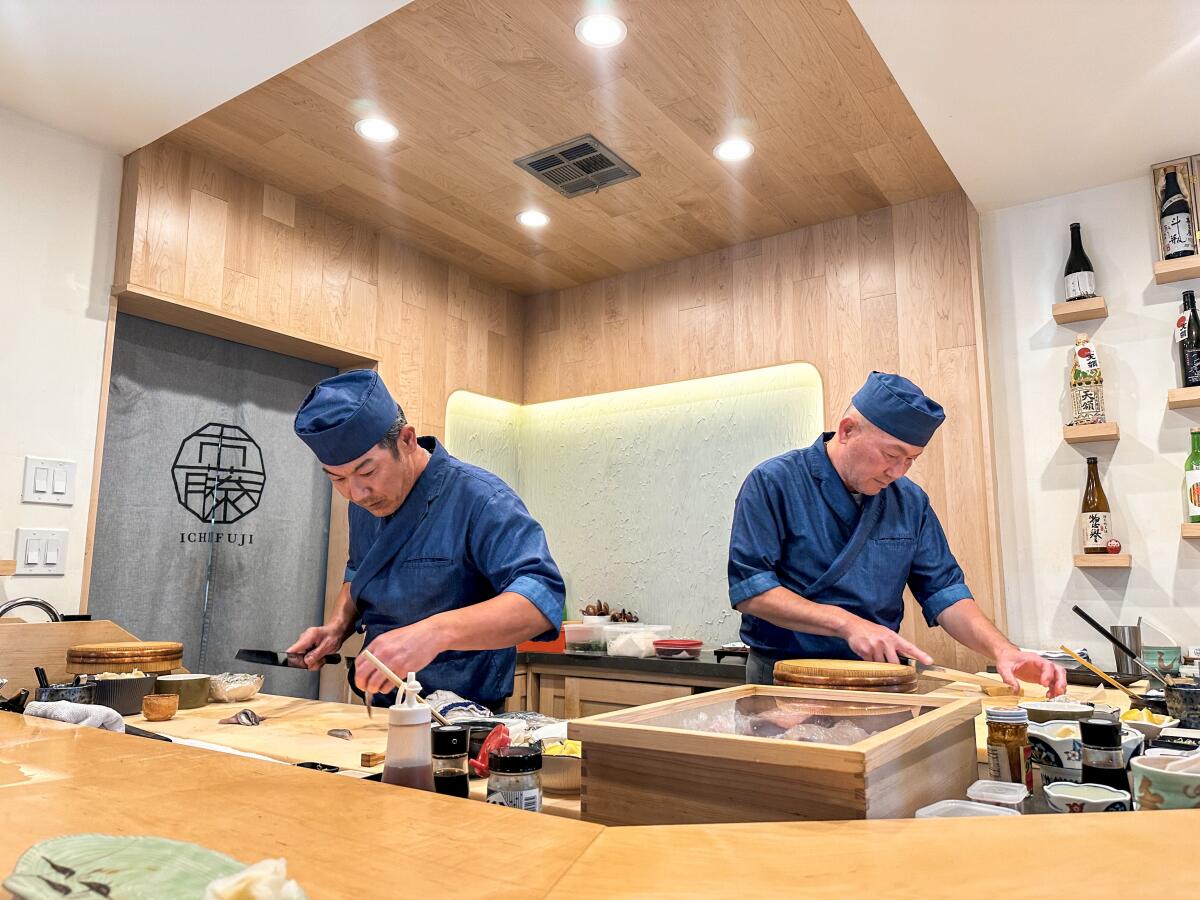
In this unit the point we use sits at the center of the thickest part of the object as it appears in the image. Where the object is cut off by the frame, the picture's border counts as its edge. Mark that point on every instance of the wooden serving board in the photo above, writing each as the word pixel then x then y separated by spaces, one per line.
pixel 838 670
pixel 294 730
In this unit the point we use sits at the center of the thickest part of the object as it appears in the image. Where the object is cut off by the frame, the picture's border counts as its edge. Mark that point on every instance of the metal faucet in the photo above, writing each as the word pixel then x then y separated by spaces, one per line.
pixel 54 614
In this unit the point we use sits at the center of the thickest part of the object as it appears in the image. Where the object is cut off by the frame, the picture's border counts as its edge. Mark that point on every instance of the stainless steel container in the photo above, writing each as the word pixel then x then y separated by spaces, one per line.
pixel 1131 637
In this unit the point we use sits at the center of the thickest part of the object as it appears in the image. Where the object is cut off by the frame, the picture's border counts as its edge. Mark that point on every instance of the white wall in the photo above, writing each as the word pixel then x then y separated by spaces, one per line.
pixel 1040 477
pixel 58 220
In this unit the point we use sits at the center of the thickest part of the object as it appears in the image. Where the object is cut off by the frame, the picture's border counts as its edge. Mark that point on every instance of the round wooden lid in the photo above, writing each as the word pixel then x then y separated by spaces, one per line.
pixel 898 687
pixel 838 670
pixel 126 650
pixel 825 681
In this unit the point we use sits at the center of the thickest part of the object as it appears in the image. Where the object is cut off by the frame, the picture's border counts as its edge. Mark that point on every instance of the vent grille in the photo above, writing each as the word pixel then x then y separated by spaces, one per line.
pixel 578 166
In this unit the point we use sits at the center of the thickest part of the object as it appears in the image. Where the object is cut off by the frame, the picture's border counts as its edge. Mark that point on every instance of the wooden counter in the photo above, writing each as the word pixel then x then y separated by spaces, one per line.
pixel 343 837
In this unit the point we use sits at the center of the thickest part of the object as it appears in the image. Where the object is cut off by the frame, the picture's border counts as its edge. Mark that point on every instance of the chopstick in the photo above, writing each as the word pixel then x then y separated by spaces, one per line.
pixel 400 683
pixel 1097 671
pixel 1120 645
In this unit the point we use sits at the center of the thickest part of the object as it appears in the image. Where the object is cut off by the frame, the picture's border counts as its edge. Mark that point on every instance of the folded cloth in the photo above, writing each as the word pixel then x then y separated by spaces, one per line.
pixel 78 714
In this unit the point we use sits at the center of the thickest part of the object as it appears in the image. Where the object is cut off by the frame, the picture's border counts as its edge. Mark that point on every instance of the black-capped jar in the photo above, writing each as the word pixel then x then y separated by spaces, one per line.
pixel 516 777
pixel 1103 758
pixel 450 774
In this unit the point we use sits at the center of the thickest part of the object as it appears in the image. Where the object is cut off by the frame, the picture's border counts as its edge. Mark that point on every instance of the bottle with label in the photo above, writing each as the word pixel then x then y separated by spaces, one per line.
pixel 1079 275
pixel 1175 216
pixel 1087 384
pixel 1094 518
pixel 1008 749
pixel 1191 478
pixel 1187 341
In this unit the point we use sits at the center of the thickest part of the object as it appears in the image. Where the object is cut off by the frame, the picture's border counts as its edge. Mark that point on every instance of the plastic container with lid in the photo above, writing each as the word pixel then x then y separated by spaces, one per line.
pixel 515 777
pixel 958 809
pixel 583 638
pixel 633 638
pixel 678 649
pixel 1005 794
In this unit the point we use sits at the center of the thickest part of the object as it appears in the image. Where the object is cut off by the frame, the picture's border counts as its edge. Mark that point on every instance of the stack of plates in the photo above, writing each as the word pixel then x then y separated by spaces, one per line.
pixel 124 656
pixel 850 674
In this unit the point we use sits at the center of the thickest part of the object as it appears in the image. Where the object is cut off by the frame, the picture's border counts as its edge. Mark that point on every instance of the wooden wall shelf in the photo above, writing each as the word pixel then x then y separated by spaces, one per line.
pixel 1103 561
pixel 1167 271
pixel 1183 398
pixel 1086 434
pixel 1189 530
pixel 8 566
pixel 1080 310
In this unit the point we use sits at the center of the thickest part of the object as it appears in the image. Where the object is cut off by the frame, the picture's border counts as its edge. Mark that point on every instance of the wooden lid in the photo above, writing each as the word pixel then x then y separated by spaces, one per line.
pixel 838 671
pixel 126 650
pixel 823 681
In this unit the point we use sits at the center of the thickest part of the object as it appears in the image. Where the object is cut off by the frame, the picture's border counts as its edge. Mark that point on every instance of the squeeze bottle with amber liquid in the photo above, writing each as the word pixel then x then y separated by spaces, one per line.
pixel 408 760
pixel 1094 518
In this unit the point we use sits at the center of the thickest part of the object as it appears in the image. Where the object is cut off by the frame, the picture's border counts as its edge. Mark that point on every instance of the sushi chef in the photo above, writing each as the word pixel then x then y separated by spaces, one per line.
pixel 826 538
pixel 447 570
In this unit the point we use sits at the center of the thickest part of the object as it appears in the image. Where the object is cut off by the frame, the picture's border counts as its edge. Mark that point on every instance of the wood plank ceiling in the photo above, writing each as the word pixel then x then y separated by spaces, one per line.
pixel 474 84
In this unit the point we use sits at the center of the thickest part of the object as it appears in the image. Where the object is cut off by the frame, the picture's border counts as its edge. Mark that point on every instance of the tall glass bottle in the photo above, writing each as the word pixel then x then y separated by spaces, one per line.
pixel 1079 275
pixel 1187 341
pixel 1175 217
pixel 1094 517
pixel 1191 478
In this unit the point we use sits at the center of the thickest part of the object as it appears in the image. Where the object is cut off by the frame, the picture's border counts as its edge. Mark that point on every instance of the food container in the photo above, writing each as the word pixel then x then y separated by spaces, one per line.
pixel 1156 788
pixel 1048 711
pixel 597 620
pixel 234 687
pixel 584 639
pixel 678 649
pixel 1080 798
pixel 74 693
pixel 1183 702
pixel 1151 728
pixel 633 639
pixel 1058 746
pixel 959 809
pixel 1005 794
pixel 124 694
pixel 192 689
pixel 160 707
pixel 561 767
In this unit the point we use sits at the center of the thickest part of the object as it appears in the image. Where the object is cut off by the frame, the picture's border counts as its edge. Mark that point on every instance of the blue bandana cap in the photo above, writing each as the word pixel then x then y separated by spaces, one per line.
pixel 897 406
pixel 345 416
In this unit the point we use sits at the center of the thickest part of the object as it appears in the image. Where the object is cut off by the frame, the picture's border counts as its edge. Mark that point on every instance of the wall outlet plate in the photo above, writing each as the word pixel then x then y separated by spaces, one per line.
pixel 41 551
pixel 49 481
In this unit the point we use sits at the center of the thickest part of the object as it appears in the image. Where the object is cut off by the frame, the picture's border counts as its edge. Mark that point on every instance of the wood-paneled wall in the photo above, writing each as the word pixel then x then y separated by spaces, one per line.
pixel 194 230
pixel 895 289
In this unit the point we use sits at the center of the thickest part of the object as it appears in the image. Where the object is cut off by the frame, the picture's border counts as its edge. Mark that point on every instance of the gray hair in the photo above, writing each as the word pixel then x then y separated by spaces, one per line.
pixel 391 438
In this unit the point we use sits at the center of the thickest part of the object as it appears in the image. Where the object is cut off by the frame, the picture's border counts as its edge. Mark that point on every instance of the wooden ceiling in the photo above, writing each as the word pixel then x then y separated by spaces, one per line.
pixel 474 84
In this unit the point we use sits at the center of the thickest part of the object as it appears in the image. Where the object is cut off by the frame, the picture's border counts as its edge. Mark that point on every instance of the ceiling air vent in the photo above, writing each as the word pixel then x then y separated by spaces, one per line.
pixel 578 166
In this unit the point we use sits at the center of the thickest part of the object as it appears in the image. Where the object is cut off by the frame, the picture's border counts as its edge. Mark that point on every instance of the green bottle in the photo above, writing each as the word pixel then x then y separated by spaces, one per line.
pixel 1191 478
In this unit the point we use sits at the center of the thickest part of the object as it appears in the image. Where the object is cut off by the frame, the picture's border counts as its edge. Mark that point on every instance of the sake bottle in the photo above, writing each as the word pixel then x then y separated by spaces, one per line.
pixel 1175 217
pixel 1191 478
pixel 1080 277
pixel 1187 341
pixel 1094 517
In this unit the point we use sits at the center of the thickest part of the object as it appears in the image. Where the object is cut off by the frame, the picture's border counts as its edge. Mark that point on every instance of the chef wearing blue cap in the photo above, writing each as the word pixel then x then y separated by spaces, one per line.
pixel 447 569
pixel 826 538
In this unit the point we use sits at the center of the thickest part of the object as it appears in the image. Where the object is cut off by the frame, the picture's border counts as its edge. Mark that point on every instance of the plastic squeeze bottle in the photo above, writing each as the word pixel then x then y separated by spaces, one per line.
pixel 409 761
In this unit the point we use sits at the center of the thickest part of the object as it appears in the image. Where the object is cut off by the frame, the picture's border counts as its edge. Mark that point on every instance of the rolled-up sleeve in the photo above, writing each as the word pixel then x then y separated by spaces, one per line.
pixel 755 543
pixel 509 547
pixel 935 578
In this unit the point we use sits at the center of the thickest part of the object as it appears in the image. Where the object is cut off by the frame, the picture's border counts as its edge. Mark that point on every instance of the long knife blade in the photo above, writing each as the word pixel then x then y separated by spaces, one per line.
pixel 286 660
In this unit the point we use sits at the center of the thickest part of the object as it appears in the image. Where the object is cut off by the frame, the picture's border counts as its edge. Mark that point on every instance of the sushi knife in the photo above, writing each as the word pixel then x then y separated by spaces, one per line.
pixel 286 660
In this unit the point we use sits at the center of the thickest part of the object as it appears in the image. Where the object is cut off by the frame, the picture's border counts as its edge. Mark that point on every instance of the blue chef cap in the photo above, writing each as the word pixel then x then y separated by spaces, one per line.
pixel 899 407
pixel 345 416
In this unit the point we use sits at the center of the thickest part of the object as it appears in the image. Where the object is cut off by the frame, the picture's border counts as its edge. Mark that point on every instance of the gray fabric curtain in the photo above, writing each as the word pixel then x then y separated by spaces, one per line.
pixel 213 518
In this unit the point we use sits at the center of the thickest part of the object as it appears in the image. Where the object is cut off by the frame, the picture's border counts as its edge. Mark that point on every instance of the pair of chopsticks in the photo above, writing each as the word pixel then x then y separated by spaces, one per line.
pixel 401 685
pixel 1097 671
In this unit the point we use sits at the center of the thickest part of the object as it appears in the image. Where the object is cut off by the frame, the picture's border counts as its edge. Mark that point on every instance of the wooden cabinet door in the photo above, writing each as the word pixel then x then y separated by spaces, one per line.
pixel 592 696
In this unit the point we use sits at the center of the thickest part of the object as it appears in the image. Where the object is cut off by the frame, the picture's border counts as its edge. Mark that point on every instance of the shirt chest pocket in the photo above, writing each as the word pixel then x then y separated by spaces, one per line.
pixel 889 561
pixel 425 585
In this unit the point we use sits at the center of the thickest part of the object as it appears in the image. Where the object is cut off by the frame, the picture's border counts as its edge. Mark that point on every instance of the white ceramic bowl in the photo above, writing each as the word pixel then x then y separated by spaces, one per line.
pixel 1079 798
pixel 1057 744
pixel 1148 729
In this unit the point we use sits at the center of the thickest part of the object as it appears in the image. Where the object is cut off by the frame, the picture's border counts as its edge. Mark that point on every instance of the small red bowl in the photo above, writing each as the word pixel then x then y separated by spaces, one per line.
pixel 678 649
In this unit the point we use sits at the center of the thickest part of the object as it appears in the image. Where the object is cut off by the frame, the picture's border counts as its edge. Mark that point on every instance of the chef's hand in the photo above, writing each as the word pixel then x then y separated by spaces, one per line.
pixel 316 643
pixel 403 650
pixel 879 644
pixel 1020 665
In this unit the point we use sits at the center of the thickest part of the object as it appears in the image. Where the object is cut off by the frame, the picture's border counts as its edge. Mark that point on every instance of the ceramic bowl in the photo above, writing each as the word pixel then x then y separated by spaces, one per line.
pixel 75 693
pixel 1080 798
pixel 1149 729
pixel 1183 702
pixel 160 707
pixel 1042 711
pixel 561 774
pixel 124 694
pixel 1155 788
pixel 1057 744
pixel 192 689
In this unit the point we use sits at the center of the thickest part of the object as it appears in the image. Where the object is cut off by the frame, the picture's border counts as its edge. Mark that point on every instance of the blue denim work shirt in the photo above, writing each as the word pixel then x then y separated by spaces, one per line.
pixel 795 525
pixel 462 536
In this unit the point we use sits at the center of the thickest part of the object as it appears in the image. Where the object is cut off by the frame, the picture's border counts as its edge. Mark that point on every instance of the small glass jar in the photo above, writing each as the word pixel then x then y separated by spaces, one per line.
pixel 450 761
pixel 515 778
pixel 1103 756
pixel 1008 750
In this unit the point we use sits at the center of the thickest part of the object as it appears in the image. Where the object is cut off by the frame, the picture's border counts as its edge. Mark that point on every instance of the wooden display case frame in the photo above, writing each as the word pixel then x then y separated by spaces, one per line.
pixel 634 773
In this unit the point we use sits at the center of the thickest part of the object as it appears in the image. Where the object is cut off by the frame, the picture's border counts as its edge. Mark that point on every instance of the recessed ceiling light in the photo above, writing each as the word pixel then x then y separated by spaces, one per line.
pixel 377 130
pixel 601 30
pixel 733 149
pixel 533 218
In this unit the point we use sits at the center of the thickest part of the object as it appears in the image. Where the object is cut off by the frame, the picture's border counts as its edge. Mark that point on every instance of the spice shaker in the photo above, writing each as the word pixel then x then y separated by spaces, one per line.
pixel 450 761
pixel 1103 758
pixel 1008 750
pixel 516 777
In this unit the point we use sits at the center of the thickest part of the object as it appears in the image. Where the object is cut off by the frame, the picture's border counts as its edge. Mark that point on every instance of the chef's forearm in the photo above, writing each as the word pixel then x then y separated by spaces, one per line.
pixel 787 609
pixel 970 627
pixel 504 621
pixel 344 613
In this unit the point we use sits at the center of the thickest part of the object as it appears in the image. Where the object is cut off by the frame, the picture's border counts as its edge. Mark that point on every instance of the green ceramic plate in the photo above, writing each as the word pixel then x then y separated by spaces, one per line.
pixel 130 868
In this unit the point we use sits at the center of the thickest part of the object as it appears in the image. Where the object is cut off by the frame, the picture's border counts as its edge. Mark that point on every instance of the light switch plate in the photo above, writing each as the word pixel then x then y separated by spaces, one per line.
pixel 44 481
pixel 48 539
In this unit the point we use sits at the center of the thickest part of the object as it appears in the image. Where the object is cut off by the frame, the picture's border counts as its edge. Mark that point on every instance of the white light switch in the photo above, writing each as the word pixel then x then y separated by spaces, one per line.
pixel 41 551
pixel 49 481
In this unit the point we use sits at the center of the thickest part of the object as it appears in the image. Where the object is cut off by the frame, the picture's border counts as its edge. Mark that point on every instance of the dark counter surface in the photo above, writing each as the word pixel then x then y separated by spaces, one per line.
pixel 704 667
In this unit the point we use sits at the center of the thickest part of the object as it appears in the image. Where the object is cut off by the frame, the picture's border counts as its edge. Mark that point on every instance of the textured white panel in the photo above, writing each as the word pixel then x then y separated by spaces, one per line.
pixel 636 488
